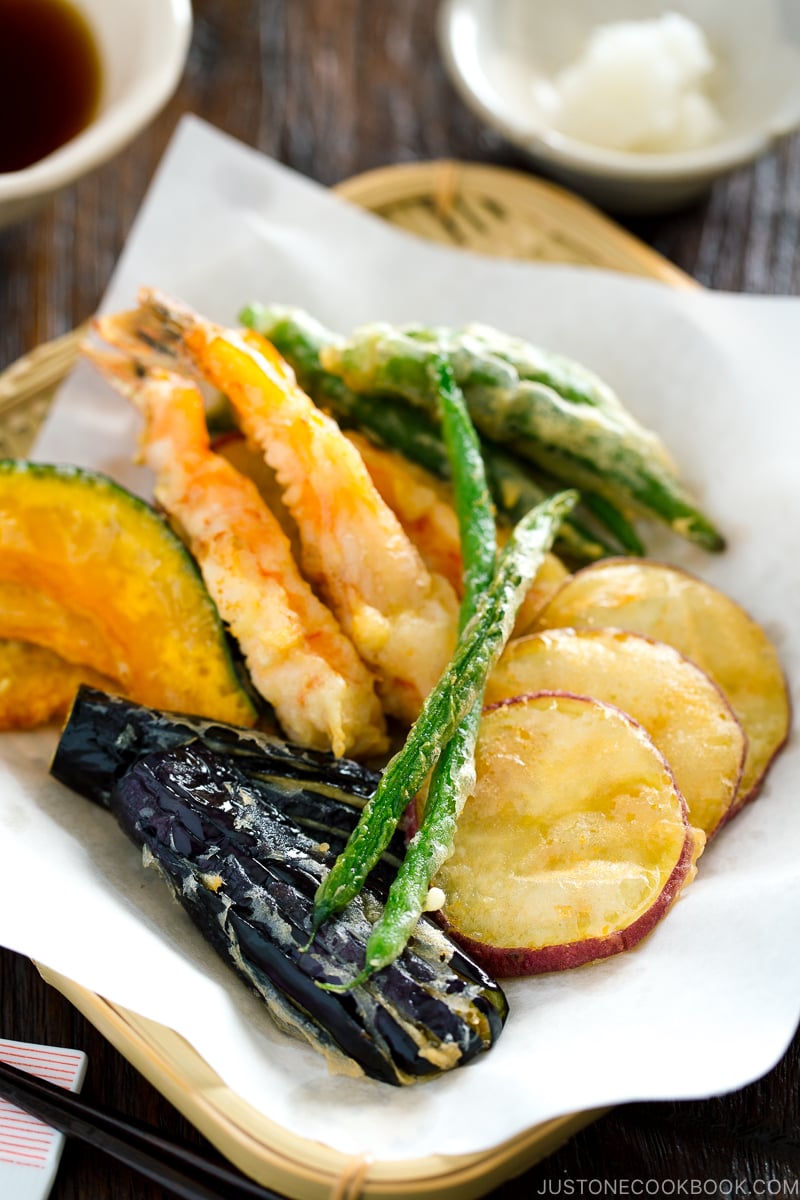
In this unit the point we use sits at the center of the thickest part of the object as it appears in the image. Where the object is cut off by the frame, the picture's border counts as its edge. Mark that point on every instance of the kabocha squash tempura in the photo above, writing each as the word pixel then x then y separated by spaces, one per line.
pixel 93 574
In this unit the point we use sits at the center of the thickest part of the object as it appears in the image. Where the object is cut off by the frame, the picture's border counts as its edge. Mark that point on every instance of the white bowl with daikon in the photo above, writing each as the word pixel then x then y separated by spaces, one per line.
pixel 638 104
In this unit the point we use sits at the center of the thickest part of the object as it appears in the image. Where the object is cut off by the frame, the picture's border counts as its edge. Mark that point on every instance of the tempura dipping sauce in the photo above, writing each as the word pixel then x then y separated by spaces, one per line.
pixel 49 79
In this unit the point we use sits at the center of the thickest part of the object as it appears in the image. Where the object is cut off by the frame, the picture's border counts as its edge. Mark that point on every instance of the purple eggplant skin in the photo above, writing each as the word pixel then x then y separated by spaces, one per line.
pixel 247 874
pixel 105 734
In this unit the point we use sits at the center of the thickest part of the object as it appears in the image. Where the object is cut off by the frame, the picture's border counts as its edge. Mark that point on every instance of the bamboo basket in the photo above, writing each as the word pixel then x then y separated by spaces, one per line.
pixel 479 208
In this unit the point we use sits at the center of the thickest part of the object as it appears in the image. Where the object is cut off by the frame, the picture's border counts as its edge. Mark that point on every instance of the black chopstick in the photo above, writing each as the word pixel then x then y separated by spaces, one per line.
pixel 180 1169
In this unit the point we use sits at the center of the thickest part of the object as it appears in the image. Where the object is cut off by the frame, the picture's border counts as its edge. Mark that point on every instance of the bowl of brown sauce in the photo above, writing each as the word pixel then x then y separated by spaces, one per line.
pixel 78 80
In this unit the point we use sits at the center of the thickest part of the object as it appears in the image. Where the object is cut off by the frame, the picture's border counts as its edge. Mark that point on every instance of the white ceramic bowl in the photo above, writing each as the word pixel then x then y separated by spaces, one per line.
pixel 504 54
pixel 142 46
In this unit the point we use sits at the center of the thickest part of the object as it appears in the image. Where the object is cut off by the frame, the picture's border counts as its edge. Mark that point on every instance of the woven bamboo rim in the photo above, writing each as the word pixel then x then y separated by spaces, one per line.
pixel 486 209
pixel 504 213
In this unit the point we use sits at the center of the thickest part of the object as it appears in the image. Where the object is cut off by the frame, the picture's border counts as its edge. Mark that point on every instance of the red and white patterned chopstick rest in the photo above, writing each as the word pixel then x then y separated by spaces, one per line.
pixel 30 1151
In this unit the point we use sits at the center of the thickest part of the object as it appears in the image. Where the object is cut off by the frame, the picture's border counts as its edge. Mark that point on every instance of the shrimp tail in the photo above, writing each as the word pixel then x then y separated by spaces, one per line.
pixel 144 334
pixel 127 375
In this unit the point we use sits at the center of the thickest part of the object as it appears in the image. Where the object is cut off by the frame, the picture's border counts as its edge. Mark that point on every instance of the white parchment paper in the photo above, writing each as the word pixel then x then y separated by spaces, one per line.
pixel 712 998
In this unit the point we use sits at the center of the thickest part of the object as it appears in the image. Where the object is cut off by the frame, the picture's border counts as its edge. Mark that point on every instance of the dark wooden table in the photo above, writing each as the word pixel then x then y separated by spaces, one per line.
pixel 335 87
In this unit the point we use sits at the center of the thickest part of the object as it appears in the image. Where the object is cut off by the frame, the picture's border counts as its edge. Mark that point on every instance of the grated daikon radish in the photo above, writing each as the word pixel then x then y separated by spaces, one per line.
pixel 639 85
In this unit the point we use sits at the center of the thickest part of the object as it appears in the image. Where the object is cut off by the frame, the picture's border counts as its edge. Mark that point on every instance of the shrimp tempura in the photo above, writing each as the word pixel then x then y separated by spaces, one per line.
pixel 298 657
pixel 401 617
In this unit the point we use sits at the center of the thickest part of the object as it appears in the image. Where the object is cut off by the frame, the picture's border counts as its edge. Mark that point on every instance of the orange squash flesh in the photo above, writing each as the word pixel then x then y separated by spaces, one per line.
pixel 94 574
pixel 37 686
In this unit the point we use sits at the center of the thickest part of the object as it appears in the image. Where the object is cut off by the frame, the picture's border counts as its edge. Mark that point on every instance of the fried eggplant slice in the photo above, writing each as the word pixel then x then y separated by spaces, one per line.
pixel 246 874
pixel 105 734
